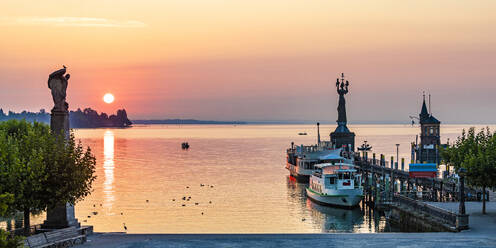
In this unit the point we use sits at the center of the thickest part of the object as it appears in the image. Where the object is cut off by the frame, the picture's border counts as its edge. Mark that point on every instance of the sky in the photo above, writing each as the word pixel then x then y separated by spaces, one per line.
pixel 254 60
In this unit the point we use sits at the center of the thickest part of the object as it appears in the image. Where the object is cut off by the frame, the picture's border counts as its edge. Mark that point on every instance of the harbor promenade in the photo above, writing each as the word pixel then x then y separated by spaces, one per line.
pixel 481 234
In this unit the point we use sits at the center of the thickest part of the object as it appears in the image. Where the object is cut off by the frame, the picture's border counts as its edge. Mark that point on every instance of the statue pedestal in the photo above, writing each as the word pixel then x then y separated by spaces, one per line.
pixel 59 122
pixel 61 216
pixel 343 137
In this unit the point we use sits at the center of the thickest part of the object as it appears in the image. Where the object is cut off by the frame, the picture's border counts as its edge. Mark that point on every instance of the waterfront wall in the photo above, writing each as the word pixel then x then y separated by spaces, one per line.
pixel 409 220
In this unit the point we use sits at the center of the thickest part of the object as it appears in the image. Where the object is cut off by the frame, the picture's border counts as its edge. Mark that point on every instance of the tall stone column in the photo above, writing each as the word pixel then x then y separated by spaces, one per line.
pixel 60 216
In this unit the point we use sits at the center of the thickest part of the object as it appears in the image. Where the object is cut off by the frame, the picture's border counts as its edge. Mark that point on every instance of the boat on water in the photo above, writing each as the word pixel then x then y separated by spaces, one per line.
pixel 185 145
pixel 335 184
pixel 364 147
pixel 301 160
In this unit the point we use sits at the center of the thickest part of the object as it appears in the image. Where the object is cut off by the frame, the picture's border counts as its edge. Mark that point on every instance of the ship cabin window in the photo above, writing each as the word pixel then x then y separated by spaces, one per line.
pixel 347 175
pixel 332 180
pixel 431 130
pixel 308 165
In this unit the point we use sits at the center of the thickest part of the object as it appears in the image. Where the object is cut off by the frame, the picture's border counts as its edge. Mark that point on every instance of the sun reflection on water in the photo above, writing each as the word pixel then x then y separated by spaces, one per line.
pixel 108 167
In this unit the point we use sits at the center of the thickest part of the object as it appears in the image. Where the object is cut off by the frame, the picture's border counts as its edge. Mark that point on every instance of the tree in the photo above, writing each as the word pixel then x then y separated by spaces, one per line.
pixel 42 169
pixel 476 152
pixel 22 168
pixel 7 240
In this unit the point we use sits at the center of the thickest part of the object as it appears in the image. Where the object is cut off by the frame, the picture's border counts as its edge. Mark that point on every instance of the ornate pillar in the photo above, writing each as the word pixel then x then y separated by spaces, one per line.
pixel 60 216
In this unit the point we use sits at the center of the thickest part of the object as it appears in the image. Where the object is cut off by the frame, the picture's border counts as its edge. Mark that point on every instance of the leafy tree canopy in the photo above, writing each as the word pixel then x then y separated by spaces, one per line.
pixel 41 169
pixel 476 152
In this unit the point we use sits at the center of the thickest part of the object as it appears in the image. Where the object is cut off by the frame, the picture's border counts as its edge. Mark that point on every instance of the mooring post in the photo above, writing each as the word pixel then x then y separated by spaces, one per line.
pixel 441 191
pixel 373 158
pixel 374 186
pixel 401 186
pixel 434 191
pixel 453 194
pixel 462 218
pixel 393 180
pixel 408 187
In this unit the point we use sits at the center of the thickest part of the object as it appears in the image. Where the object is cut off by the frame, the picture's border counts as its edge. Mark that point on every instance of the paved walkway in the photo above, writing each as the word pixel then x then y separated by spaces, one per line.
pixel 382 240
pixel 481 234
pixel 478 223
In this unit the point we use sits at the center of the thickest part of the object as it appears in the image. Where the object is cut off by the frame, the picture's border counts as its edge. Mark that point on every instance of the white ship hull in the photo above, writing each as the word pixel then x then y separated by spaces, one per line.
pixel 347 198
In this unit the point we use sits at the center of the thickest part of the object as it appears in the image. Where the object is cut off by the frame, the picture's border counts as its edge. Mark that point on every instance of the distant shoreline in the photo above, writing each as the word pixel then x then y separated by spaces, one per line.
pixel 188 121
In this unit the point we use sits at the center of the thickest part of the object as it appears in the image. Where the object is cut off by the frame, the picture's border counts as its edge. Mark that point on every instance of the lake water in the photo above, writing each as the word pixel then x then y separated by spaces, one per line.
pixel 143 174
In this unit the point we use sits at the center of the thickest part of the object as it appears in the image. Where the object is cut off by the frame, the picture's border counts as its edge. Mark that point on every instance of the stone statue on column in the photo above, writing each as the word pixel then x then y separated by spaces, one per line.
pixel 60 216
pixel 57 83
pixel 342 137
pixel 342 90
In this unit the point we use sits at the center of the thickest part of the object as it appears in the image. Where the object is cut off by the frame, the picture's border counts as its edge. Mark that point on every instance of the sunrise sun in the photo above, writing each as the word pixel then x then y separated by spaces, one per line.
pixel 108 98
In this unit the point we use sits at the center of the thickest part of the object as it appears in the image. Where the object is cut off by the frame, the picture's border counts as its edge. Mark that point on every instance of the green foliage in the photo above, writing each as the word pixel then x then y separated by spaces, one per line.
pixel 41 169
pixel 22 165
pixel 476 152
pixel 9 241
pixel 5 200
pixel 5 239
pixel 71 171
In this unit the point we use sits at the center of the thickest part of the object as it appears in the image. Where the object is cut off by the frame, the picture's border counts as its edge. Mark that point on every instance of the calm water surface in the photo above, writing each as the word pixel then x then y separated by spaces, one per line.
pixel 143 174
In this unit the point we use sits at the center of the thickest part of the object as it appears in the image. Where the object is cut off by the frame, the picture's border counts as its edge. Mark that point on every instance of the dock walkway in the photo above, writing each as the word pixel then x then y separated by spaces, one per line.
pixel 481 234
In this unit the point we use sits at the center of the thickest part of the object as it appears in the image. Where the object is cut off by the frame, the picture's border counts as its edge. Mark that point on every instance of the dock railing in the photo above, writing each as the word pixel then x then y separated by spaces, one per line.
pixel 442 214
pixel 34 229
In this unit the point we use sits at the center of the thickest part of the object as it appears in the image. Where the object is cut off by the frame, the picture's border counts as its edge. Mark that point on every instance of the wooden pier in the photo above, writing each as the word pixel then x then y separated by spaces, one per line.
pixel 389 187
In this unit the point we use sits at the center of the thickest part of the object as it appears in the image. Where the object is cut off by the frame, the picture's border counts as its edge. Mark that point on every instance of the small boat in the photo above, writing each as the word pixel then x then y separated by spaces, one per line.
pixel 335 185
pixel 185 145
pixel 302 133
pixel 364 147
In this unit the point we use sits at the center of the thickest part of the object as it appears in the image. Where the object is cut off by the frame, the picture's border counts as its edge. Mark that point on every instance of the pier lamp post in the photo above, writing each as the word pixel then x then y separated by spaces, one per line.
pixel 461 172
pixel 397 155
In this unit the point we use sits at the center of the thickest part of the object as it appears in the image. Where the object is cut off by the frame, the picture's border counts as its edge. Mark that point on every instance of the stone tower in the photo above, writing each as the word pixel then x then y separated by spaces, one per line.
pixel 430 138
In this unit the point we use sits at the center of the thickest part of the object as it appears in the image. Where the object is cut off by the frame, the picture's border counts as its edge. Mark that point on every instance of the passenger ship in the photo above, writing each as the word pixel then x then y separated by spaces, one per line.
pixel 335 184
pixel 301 160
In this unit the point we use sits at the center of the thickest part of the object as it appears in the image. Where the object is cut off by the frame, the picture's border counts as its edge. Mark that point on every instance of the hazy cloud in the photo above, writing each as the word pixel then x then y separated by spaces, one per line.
pixel 68 21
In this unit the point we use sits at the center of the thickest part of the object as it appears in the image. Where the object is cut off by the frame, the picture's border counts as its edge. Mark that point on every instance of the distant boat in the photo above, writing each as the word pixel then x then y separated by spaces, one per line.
pixel 302 133
pixel 364 147
pixel 185 145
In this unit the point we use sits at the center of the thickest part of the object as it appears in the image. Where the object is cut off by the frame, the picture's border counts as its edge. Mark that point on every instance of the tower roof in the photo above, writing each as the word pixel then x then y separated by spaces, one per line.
pixel 424 114
pixel 425 117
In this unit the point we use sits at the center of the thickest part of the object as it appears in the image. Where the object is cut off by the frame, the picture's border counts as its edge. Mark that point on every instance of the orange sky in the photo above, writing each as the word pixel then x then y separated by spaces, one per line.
pixel 253 60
